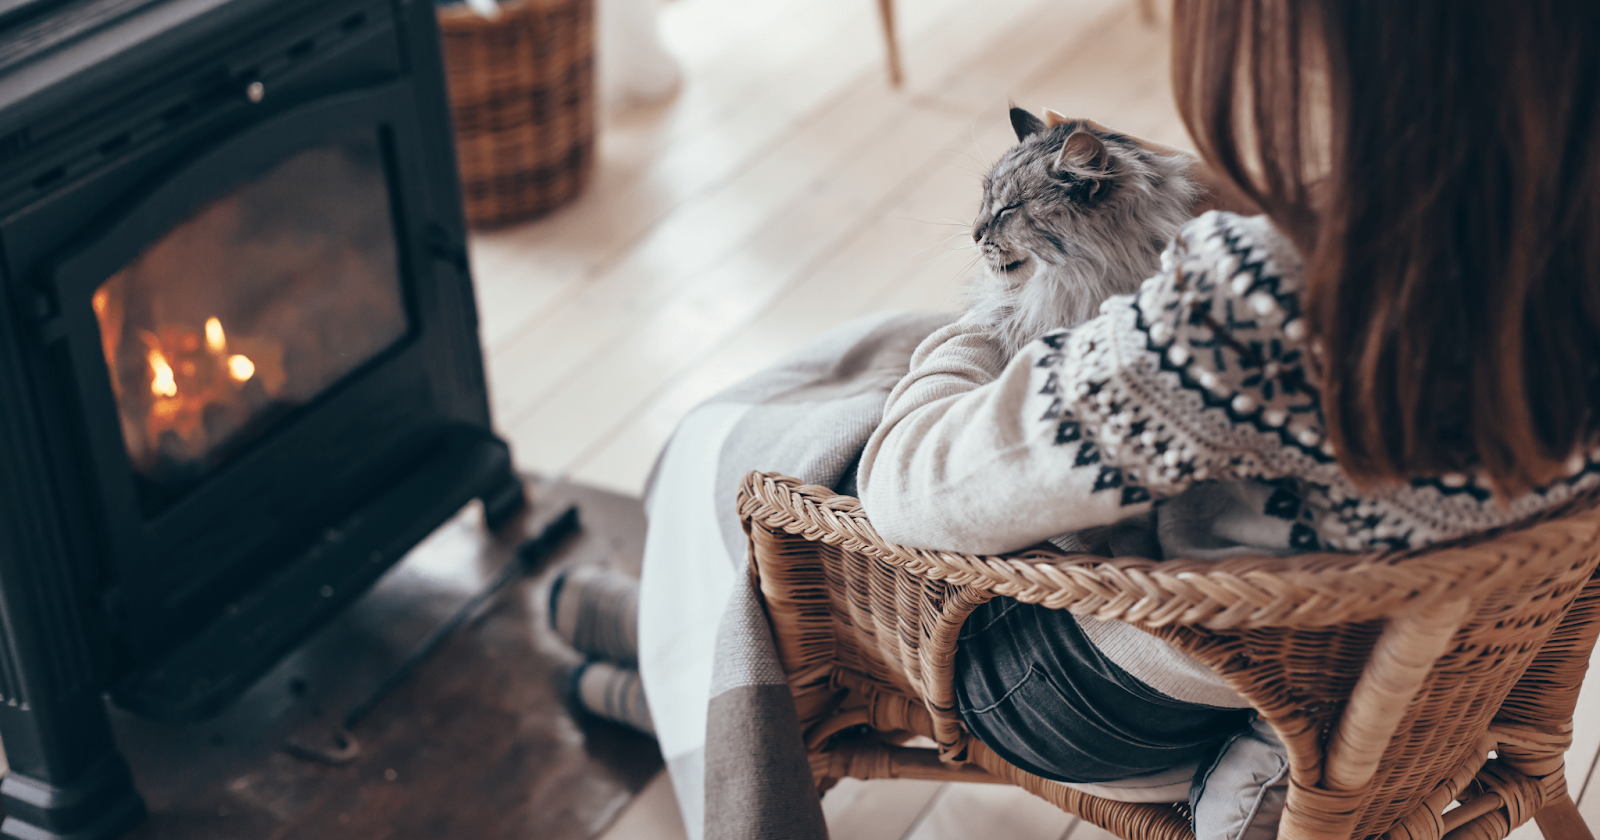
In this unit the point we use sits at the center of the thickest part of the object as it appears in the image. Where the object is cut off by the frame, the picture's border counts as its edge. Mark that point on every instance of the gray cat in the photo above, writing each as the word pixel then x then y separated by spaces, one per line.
pixel 1072 214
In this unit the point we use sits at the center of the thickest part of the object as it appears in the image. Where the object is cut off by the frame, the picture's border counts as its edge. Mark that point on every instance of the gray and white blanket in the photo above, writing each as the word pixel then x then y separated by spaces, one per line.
pixel 721 707
pixel 717 695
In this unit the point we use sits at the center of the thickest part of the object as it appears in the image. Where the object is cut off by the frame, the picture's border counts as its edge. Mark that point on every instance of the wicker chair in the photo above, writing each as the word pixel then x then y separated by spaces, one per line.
pixel 1390 677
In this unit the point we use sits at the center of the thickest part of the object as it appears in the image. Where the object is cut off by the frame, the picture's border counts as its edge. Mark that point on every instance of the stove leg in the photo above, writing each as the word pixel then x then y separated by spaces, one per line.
pixel 503 500
pixel 66 781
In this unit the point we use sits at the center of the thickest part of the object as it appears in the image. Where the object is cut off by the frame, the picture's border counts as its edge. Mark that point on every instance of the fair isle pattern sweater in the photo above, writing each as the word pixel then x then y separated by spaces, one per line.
pixel 1197 382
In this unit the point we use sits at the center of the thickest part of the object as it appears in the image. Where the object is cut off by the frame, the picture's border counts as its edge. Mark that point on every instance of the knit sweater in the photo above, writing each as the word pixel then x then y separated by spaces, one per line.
pixel 1191 399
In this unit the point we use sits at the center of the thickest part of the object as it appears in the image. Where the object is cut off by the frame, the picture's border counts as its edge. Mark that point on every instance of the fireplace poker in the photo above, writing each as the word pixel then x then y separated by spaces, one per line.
pixel 529 556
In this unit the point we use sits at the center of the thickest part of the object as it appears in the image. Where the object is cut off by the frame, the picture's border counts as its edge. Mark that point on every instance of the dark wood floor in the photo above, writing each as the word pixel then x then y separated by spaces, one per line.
pixel 477 744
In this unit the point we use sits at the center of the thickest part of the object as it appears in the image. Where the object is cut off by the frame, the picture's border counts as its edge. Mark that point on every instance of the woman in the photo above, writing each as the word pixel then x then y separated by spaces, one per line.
pixel 1404 349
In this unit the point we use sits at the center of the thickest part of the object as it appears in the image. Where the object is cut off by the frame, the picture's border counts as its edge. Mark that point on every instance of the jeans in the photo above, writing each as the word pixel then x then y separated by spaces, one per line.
pixel 1034 689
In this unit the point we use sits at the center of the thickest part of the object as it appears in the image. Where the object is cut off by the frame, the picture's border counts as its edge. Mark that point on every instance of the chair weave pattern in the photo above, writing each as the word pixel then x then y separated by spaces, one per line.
pixel 1390 677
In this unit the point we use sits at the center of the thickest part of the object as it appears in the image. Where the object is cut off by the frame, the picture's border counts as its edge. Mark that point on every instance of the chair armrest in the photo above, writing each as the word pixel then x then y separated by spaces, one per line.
pixel 1307 590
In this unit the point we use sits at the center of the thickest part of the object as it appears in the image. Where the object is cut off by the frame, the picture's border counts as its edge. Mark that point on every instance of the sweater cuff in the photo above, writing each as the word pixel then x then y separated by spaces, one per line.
pixel 1159 665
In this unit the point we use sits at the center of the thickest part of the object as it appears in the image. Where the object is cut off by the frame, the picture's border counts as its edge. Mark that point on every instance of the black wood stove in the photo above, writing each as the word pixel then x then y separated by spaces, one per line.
pixel 239 365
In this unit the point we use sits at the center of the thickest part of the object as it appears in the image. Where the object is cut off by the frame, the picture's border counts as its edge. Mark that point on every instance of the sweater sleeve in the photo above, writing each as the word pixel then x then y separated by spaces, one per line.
pixel 1197 376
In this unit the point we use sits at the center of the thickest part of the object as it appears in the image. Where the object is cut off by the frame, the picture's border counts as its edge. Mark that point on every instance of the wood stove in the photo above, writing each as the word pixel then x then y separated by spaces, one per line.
pixel 239 366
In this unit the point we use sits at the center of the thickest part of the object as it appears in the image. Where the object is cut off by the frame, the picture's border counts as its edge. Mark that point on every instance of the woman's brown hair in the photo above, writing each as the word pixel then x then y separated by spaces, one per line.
pixel 1438 164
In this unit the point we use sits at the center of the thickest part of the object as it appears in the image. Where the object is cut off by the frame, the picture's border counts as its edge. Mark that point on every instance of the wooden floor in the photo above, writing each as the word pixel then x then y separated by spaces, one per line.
pixel 785 190
pixel 476 743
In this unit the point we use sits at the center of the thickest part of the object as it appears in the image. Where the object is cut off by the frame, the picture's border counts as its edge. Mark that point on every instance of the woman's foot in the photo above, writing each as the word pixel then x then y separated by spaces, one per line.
pixel 597 612
pixel 612 693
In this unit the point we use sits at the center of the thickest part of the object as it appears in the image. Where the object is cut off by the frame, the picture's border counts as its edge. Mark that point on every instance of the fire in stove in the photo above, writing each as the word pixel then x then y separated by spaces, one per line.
pixel 201 386
pixel 249 309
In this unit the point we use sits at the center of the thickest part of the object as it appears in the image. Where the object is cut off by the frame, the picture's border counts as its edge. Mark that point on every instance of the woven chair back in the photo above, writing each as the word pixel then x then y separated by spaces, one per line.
pixel 1389 677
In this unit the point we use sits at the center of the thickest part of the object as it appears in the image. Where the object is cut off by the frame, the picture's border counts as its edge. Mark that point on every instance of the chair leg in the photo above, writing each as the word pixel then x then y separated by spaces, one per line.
pixel 891 41
pixel 1560 820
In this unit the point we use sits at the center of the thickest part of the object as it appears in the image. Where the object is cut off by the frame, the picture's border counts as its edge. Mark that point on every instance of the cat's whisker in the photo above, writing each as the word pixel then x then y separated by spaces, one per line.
pixel 962 243
pixel 947 222
pixel 979 159
pixel 974 172
pixel 936 248
pixel 983 155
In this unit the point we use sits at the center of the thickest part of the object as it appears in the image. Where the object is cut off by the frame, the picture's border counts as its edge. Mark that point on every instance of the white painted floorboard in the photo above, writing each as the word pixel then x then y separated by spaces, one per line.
pixel 968 810
pixel 652 815
pixel 784 191
pixel 878 808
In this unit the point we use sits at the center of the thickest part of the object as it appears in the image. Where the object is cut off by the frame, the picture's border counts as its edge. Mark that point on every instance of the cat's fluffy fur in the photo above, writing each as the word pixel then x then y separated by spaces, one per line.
pixel 1072 214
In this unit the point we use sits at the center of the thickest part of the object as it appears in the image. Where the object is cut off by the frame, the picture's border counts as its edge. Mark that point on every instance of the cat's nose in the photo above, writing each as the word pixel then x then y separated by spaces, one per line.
pixel 977 234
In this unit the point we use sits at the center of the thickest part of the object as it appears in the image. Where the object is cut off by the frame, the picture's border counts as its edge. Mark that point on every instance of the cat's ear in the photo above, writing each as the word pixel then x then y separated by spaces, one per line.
pixel 1054 118
pixel 1024 123
pixel 1083 152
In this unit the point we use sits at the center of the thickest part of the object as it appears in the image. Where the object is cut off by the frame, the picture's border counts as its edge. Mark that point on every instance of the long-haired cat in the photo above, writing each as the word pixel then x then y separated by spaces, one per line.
pixel 1072 214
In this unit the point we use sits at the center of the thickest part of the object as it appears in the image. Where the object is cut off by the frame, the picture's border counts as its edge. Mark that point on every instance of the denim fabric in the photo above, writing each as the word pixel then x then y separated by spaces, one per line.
pixel 1034 689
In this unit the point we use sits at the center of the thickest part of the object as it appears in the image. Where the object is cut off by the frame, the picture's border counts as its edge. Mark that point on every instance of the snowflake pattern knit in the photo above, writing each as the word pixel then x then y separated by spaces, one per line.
pixel 1203 375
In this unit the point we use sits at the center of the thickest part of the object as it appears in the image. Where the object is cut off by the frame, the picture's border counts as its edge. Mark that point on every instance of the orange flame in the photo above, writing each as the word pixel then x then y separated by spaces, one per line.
pixel 241 368
pixel 216 342
pixel 162 382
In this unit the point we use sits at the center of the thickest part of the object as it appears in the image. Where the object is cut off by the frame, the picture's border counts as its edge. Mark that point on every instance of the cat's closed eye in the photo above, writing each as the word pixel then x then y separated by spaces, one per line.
pixel 999 215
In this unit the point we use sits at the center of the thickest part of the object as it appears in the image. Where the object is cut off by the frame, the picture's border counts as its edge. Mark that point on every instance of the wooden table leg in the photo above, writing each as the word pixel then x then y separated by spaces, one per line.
pixel 891 41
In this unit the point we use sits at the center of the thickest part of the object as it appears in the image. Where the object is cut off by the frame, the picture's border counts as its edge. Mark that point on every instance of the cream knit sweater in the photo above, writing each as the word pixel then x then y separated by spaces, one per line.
pixel 1197 381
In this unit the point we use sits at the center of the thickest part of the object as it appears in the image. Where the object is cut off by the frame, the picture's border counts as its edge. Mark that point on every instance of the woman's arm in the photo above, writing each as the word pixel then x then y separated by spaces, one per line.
pixel 1195 377
pixel 962 462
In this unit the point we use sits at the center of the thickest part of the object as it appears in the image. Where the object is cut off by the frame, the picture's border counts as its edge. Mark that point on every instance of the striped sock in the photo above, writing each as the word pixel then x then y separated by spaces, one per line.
pixel 612 693
pixel 597 612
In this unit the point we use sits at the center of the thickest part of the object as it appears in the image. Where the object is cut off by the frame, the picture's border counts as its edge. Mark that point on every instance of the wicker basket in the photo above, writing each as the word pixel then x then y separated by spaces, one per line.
pixel 522 90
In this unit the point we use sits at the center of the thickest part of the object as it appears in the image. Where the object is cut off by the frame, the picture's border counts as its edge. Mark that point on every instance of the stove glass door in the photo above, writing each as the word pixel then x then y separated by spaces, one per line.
pixel 251 307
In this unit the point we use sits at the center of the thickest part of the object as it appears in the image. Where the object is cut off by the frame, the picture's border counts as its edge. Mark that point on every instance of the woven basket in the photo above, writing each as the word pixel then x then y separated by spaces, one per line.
pixel 522 91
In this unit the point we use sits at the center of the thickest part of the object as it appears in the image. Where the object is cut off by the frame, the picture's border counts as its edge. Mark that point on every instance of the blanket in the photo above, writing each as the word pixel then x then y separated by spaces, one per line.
pixel 721 708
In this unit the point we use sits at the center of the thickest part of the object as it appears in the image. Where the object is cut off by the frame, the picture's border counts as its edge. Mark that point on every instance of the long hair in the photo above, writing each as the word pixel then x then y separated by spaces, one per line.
pixel 1438 164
